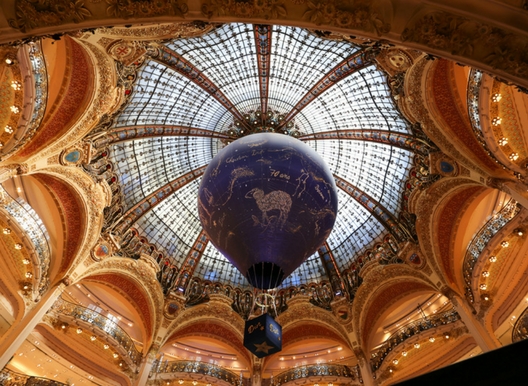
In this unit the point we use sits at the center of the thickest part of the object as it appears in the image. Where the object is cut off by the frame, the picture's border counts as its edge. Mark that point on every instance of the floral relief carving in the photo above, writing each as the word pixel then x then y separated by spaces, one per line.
pixel 42 13
pixel 145 8
pixel 491 45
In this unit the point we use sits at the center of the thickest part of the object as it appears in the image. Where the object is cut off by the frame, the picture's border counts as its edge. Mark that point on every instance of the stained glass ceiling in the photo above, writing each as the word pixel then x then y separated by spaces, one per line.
pixel 193 96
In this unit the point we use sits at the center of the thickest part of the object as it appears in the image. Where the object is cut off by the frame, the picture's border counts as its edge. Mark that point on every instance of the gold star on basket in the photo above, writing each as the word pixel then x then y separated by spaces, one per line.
pixel 263 347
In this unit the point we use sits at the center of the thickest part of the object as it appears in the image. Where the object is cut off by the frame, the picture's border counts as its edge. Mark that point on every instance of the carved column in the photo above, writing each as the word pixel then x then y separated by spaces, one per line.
pixel 256 379
pixel 364 367
pixel 484 338
pixel 6 172
pixel 146 367
pixel 18 333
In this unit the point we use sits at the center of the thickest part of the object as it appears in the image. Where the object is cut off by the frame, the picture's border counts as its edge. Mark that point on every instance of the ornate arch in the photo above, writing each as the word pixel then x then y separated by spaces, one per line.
pixel 136 281
pixel 381 288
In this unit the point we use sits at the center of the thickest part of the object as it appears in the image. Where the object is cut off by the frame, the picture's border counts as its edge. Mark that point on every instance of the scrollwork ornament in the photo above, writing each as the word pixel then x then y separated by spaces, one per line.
pixel 461 36
pixel 32 14
pixel 146 8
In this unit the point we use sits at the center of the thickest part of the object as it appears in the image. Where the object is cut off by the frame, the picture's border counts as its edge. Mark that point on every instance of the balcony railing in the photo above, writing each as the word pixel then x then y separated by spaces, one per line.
pixel 520 329
pixel 481 240
pixel 103 323
pixel 203 368
pixel 29 221
pixel 322 369
pixel 11 378
pixel 411 329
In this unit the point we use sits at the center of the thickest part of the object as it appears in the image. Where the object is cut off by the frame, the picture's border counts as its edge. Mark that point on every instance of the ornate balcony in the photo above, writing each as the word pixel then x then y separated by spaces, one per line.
pixel 11 378
pixel 195 367
pixel 409 330
pixel 69 312
pixel 481 240
pixel 318 370
pixel 520 329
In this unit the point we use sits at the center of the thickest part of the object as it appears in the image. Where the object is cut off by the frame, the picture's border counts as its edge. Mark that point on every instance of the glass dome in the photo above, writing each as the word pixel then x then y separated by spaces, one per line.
pixel 192 96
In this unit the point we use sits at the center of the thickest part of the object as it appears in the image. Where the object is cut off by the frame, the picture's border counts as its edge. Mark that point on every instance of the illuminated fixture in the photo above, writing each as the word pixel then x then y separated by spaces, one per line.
pixel 115 355
pixel 486 298
pixel 15 109
pixel 447 336
pixel 92 338
pixel 106 346
pixel 483 287
pixel 404 353
pixel 79 330
pixel 496 121
pixel 25 261
pixel 29 275
pixel 7 231
pixel 16 85
pixel 485 274
pixel 9 61
pixel 63 326
pixel 503 141
pixel 519 232
pixel 8 129
pixel 505 244
pixel 121 364
pixel 514 156
pixel 18 246
pixel 395 361
pixel 493 259
pixel 180 381
pixel 431 339
pixel 194 383
pixel 417 345
pixel 496 97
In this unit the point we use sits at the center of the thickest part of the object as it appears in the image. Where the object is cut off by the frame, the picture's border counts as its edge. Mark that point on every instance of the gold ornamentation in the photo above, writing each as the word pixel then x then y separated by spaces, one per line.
pixel 268 9
pixel 461 36
pixel 146 8
pixel 104 97
pixel 44 13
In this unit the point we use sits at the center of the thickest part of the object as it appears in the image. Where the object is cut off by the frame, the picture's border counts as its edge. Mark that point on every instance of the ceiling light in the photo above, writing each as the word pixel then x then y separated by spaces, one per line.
pixel 496 121
pixel 514 156
pixel 395 361
pixel 15 109
pixel 492 259
pixel 417 345
pixel 431 339
pixel 496 97
pixel 6 231
pixel 404 353
pixel 483 287
pixel 106 346
pixel 8 129
pixel 505 244
pixel 79 330
pixel 503 141
pixel 485 273
pixel 29 275
pixel 18 246
pixel 447 336
pixel 93 337
pixel 25 261
pixel 115 355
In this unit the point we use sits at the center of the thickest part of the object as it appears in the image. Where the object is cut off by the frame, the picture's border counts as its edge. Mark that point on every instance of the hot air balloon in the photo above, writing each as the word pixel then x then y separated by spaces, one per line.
pixel 267 201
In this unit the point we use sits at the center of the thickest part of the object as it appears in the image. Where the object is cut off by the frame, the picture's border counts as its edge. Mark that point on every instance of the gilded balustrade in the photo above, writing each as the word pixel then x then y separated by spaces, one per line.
pixel 12 378
pixel 481 240
pixel 108 326
pixel 196 367
pixel 322 369
pixel 409 330
pixel 520 328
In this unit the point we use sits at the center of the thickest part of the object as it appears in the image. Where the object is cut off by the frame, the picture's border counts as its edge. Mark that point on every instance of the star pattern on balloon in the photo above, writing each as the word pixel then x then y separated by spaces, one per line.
pixel 263 347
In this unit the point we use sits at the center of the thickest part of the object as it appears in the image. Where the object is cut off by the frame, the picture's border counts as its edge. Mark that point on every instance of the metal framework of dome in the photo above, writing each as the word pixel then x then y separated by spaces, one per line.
pixel 192 96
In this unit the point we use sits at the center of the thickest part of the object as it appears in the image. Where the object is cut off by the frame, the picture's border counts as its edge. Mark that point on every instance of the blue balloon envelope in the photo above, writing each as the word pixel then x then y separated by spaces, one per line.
pixel 267 201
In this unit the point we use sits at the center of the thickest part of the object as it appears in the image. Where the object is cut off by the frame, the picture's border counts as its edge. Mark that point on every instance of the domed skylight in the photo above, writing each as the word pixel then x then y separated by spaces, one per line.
pixel 192 96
